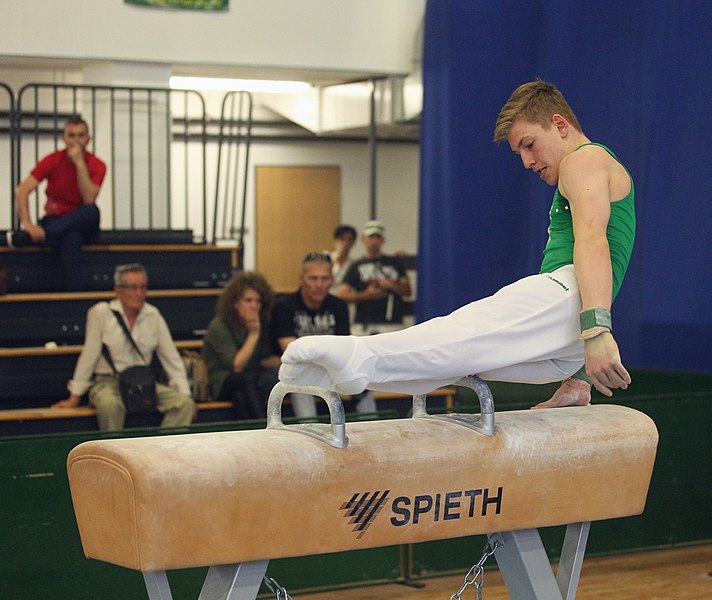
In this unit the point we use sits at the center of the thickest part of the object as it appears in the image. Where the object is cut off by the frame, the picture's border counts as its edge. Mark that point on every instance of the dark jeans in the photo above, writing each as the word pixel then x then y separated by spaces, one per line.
pixel 67 234
pixel 248 393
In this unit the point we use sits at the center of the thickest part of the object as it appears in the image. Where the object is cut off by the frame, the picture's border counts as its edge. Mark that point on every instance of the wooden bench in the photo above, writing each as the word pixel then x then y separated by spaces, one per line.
pixel 36 375
pixel 170 266
pixel 449 393
pixel 32 319
pixel 233 251
pixel 76 349
pixel 32 414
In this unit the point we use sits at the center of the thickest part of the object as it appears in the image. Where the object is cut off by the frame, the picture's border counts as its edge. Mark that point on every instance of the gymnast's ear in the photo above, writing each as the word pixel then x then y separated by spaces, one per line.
pixel 561 124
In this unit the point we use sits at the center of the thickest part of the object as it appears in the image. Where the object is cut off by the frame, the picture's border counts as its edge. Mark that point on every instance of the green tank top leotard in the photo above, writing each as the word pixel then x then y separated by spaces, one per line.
pixel 559 250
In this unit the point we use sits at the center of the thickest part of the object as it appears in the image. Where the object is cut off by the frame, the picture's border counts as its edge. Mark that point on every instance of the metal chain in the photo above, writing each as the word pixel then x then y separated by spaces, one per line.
pixel 476 575
pixel 279 591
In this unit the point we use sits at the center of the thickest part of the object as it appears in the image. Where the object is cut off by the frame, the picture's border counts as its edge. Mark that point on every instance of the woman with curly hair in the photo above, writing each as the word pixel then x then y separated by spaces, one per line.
pixel 236 348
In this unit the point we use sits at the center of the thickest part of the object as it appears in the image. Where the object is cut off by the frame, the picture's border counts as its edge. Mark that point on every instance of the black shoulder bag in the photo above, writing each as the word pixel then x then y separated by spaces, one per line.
pixel 137 385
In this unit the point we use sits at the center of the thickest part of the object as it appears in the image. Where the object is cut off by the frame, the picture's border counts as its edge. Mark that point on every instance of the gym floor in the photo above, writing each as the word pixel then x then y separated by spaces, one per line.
pixel 658 575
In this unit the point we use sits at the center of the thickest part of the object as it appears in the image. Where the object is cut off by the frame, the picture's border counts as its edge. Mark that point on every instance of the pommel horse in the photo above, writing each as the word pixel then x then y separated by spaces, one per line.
pixel 234 500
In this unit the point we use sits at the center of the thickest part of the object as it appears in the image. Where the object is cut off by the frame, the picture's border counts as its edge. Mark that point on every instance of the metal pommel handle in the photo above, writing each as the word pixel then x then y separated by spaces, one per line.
pixel 486 400
pixel 484 422
pixel 333 434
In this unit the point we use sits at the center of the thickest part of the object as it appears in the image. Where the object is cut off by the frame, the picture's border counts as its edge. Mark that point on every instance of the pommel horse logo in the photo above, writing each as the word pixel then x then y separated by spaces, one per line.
pixel 362 509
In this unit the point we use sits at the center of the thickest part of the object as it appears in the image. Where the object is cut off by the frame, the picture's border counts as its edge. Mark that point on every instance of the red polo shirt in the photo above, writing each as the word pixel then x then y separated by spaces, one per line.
pixel 62 188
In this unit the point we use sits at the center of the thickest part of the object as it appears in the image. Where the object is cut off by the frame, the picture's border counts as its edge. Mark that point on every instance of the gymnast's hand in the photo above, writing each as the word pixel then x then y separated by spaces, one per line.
pixel 603 364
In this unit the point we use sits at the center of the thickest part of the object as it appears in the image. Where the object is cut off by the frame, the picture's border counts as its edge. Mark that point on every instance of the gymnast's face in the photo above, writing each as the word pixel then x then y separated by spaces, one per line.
pixel 315 281
pixel 541 149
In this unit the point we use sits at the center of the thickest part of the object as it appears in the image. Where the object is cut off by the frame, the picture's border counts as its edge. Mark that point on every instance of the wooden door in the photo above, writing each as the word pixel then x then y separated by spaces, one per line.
pixel 297 210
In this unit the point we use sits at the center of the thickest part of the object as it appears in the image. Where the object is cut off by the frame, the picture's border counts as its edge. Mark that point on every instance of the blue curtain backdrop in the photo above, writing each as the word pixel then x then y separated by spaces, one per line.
pixel 638 76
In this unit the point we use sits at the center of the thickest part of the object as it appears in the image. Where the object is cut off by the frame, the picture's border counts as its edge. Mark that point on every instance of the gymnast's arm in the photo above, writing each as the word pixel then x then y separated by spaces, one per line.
pixel 585 179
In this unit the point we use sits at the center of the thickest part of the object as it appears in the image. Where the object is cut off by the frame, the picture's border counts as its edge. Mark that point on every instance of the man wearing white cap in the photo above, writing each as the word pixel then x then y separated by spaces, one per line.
pixel 377 284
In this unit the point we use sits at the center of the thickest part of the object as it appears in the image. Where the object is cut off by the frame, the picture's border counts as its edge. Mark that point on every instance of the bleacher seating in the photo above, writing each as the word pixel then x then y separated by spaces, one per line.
pixel 35 319
pixel 41 329
pixel 160 222
pixel 44 419
pixel 170 266
pixel 28 421
pixel 23 388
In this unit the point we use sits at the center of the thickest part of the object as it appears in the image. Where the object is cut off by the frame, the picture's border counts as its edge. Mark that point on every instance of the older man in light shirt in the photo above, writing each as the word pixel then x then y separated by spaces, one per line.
pixel 150 332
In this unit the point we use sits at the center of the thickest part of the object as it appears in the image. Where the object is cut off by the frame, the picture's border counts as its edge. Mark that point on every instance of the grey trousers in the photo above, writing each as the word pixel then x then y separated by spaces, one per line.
pixel 177 408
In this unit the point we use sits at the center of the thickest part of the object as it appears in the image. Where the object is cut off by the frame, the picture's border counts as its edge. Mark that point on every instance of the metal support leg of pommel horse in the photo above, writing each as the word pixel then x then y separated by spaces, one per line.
pixel 520 555
pixel 223 582
pixel 525 567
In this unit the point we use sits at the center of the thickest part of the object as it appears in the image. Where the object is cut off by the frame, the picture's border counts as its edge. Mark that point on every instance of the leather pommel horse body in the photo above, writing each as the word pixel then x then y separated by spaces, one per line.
pixel 235 500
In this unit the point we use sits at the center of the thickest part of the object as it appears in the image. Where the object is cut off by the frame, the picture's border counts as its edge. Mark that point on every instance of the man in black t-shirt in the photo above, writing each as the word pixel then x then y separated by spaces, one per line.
pixel 377 284
pixel 311 310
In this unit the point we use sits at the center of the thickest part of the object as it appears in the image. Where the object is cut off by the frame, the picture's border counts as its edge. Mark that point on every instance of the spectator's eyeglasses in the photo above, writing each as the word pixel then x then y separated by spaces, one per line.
pixel 323 256
pixel 133 288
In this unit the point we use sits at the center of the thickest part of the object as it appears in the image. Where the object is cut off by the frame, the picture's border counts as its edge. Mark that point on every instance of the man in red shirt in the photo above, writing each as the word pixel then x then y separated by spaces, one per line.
pixel 74 177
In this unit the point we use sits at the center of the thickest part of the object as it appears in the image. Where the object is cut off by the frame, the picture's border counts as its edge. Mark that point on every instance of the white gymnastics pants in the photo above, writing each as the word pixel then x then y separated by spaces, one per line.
pixel 528 332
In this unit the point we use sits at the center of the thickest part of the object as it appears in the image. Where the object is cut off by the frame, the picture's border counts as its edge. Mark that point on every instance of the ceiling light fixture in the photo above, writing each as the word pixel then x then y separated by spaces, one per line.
pixel 248 85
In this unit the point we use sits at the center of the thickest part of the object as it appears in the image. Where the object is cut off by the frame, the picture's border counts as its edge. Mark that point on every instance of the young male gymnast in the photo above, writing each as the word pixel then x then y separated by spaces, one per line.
pixel 553 326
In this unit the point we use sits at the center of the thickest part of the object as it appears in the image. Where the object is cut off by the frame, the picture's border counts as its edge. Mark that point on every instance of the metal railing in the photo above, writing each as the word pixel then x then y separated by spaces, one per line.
pixel 157 148
pixel 234 138
pixel 155 143
pixel 7 155
pixel 133 132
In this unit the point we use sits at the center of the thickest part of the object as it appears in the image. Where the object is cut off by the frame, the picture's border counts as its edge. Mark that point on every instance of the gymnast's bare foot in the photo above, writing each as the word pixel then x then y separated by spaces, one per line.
pixel 572 392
